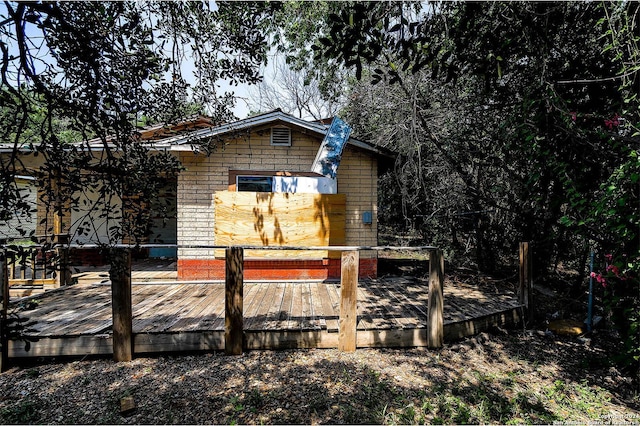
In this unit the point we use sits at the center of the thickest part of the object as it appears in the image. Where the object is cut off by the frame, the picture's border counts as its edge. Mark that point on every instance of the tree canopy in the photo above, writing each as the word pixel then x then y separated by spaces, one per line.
pixel 513 121
pixel 530 107
pixel 98 67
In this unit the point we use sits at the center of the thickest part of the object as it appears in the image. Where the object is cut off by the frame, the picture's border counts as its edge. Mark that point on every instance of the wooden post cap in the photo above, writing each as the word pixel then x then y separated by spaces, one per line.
pixel 127 406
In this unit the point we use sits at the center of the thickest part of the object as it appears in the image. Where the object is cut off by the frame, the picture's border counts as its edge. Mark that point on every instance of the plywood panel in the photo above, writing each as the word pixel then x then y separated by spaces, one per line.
pixel 279 219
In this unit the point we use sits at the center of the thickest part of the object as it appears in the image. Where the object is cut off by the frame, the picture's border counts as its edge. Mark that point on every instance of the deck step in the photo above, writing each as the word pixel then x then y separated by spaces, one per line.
pixel 103 277
pixel 24 291
pixel 91 277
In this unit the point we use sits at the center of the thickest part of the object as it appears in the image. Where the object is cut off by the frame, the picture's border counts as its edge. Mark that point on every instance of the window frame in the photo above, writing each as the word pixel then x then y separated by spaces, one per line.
pixel 257 178
pixel 233 174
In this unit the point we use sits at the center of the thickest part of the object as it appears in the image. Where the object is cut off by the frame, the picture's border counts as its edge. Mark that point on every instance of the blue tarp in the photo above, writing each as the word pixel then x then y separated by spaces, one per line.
pixel 328 157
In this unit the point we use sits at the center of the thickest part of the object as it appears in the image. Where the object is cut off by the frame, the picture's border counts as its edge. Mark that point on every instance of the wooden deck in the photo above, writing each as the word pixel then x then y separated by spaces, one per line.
pixel 76 320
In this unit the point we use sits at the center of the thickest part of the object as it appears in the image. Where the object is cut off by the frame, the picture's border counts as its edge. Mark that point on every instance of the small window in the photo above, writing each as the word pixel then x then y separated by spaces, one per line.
pixel 254 183
pixel 281 136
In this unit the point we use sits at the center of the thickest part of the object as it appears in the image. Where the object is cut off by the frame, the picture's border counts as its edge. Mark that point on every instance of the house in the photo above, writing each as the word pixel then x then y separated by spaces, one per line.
pixel 16 226
pixel 251 183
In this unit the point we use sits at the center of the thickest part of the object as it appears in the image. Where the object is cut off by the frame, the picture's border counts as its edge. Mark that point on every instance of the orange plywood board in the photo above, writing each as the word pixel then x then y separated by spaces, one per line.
pixel 280 219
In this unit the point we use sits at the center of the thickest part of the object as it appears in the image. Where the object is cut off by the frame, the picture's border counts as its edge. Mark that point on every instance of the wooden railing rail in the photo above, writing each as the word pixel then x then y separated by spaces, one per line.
pixel 234 333
pixel 234 282
pixel 32 265
pixel 44 266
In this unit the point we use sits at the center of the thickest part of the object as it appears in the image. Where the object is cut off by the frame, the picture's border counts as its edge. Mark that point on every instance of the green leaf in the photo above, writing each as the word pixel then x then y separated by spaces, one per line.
pixel 566 221
pixel 325 41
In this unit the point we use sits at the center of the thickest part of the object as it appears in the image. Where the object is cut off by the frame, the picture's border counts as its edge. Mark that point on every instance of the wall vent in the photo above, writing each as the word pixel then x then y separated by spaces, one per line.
pixel 281 136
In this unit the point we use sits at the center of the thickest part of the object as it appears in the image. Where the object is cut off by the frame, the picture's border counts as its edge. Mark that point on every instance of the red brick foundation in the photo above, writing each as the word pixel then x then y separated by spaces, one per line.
pixel 214 269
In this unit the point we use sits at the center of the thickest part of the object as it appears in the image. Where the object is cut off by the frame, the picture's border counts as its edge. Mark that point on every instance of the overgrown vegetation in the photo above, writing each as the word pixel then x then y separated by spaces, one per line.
pixel 512 121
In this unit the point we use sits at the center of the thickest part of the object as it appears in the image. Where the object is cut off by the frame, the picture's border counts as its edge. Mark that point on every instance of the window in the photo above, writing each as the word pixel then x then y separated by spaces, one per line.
pixel 280 136
pixel 279 181
pixel 254 183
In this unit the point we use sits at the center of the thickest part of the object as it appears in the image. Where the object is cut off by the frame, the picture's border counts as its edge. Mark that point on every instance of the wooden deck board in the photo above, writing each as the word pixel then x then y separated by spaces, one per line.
pixel 331 314
pixel 72 295
pixel 206 310
pixel 365 321
pixel 195 310
pixel 285 308
pixel 315 312
pixel 377 308
pixel 54 321
pixel 477 309
pixel 296 308
pixel 418 300
pixel 261 316
pixel 184 309
pixel 165 311
pixel 248 298
pixel 307 318
pixel 99 318
pixel 318 308
pixel 333 291
pixel 212 317
pixel 253 303
pixel 153 298
pixel 273 313
pixel 288 314
pixel 180 311
pixel 405 311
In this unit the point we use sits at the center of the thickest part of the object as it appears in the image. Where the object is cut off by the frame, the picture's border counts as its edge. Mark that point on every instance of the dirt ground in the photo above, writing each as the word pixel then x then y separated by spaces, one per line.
pixel 500 378
pixel 525 375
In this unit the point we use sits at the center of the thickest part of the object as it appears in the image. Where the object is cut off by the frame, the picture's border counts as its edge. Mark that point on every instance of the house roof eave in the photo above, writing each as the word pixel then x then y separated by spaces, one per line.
pixel 187 141
pixel 271 117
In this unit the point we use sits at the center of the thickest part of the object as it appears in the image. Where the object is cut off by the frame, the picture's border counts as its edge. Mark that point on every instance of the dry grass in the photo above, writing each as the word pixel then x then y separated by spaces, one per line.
pixel 500 378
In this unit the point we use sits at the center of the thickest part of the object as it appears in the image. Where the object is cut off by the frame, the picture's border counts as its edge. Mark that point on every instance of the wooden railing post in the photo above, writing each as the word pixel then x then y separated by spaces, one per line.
pixel 4 332
pixel 63 276
pixel 435 320
pixel 348 301
pixel 525 287
pixel 233 310
pixel 10 264
pixel 120 274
